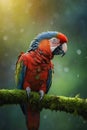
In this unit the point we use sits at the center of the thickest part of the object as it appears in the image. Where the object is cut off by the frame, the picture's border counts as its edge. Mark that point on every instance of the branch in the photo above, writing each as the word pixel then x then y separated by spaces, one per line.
pixel 74 105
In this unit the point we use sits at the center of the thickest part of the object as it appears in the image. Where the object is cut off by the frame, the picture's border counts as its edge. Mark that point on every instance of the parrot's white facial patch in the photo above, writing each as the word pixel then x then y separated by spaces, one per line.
pixel 54 42
pixel 53 48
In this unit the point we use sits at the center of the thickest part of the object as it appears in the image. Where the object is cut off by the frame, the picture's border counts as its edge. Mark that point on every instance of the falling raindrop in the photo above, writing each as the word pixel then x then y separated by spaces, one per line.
pixel 66 69
pixel 79 52
pixel 45 116
pixel 22 30
pixel 6 54
pixel 5 38
pixel 77 75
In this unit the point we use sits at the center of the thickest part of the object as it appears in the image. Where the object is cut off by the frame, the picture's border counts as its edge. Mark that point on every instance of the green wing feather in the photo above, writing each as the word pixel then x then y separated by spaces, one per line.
pixel 20 74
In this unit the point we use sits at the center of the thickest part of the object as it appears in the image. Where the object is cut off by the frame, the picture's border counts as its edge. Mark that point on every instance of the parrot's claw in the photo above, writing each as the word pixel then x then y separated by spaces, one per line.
pixel 28 91
pixel 41 92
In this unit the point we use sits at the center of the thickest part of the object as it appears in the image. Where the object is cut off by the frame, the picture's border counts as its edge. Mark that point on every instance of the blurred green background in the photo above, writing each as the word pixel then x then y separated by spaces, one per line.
pixel 20 22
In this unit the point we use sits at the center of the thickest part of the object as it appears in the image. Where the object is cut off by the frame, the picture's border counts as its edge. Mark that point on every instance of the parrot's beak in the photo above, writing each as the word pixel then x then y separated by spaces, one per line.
pixel 64 47
pixel 60 50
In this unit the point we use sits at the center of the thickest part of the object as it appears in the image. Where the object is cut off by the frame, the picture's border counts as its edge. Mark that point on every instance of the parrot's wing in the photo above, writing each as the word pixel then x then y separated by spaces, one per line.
pixel 20 74
pixel 49 80
pixel 19 78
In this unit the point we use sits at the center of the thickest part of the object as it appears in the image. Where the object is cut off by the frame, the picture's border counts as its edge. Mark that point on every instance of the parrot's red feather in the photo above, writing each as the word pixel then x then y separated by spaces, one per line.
pixel 33 119
pixel 63 38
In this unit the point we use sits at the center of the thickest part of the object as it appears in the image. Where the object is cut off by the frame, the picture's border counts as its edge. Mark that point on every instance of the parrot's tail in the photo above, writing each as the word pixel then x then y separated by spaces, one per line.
pixel 32 119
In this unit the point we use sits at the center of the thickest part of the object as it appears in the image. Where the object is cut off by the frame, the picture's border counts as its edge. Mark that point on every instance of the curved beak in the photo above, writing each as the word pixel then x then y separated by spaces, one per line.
pixel 64 47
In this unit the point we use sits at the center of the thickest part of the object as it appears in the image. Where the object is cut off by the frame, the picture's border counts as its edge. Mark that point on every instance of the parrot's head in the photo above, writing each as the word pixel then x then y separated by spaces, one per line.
pixel 48 47
pixel 58 45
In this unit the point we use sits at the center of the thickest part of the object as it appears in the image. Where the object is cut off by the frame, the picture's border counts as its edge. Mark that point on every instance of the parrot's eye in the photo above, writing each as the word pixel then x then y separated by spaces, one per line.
pixel 59 51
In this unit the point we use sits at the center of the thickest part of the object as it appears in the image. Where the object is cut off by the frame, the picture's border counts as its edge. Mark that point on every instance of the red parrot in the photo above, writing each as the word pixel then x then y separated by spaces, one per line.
pixel 34 70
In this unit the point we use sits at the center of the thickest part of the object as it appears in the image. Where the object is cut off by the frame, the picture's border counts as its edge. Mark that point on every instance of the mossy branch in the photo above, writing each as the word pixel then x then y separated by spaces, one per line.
pixel 72 105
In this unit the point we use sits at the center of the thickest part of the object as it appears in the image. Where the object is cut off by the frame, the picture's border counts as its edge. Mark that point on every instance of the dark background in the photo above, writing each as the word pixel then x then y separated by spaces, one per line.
pixel 20 22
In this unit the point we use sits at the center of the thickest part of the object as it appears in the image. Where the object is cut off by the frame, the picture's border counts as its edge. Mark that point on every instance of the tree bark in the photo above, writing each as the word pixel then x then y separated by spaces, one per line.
pixel 74 105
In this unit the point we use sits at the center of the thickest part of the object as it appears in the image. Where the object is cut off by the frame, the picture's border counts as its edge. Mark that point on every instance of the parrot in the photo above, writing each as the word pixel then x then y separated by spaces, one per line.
pixel 34 70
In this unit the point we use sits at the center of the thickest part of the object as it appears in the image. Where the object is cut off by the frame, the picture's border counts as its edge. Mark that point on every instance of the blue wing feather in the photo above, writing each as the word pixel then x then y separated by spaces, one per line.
pixel 49 81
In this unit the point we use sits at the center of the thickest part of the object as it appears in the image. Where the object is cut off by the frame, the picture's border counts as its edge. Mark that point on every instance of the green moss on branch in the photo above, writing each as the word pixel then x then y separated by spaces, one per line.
pixel 59 103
